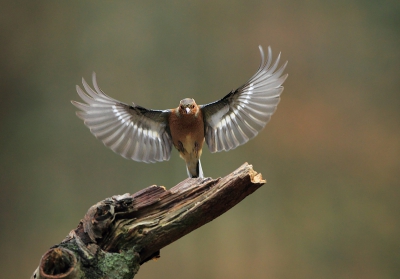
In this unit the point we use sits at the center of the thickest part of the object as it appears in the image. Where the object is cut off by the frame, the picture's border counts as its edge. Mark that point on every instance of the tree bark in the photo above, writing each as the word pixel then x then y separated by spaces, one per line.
pixel 120 233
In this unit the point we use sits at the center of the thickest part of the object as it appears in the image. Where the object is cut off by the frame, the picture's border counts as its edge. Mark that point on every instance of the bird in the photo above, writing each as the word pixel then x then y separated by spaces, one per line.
pixel 147 135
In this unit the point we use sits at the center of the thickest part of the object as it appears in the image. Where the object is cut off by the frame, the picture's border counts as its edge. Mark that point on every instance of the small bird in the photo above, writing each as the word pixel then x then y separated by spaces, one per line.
pixel 146 135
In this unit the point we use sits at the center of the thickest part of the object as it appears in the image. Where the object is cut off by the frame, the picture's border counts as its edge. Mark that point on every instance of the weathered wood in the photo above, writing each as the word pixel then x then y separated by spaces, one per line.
pixel 120 233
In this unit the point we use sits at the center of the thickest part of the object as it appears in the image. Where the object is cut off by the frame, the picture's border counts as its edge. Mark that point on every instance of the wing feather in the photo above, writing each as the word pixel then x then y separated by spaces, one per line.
pixel 132 131
pixel 243 113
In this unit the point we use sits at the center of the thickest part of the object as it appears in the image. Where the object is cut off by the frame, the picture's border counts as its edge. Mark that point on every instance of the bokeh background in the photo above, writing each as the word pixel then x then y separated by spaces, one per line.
pixel 330 154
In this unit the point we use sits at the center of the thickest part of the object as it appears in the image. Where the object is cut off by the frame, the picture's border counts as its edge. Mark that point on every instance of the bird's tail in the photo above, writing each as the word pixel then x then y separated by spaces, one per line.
pixel 195 171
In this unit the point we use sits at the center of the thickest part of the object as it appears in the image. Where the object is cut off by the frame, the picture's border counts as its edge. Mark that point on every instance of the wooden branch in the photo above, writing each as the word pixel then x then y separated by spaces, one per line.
pixel 120 233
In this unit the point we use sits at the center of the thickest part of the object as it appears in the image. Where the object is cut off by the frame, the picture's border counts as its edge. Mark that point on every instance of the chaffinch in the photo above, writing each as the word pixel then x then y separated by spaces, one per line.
pixel 146 135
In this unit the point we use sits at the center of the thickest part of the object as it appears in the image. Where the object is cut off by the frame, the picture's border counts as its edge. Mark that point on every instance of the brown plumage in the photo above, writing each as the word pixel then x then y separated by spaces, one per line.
pixel 187 131
pixel 147 135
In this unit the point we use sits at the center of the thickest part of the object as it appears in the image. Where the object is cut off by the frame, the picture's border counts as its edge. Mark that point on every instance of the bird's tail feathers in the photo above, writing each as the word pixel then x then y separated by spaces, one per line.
pixel 199 169
pixel 195 172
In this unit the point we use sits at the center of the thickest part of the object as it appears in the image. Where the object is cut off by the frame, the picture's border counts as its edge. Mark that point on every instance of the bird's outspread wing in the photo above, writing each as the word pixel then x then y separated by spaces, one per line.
pixel 240 115
pixel 132 131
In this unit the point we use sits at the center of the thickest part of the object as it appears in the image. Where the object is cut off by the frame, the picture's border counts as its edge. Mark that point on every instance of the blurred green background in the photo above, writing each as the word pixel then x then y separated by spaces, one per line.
pixel 330 154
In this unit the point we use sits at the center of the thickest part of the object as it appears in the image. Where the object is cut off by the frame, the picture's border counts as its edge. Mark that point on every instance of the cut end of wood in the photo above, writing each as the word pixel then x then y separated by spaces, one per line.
pixel 57 263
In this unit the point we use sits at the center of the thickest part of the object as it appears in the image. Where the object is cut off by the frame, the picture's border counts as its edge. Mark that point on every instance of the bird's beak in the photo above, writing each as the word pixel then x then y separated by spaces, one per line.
pixel 187 110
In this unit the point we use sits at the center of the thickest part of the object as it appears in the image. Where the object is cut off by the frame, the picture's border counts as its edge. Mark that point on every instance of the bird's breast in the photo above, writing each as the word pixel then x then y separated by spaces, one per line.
pixel 187 129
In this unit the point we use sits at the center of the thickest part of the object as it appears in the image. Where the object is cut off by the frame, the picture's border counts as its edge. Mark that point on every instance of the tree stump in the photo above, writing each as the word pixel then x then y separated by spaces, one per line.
pixel 120 233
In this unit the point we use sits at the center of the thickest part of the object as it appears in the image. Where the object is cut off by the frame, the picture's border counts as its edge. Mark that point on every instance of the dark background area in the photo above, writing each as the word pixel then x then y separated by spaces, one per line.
pixel 330 154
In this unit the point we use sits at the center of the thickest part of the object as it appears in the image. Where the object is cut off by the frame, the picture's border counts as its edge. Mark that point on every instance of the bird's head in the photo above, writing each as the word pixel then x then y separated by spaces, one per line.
pixel 188 106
